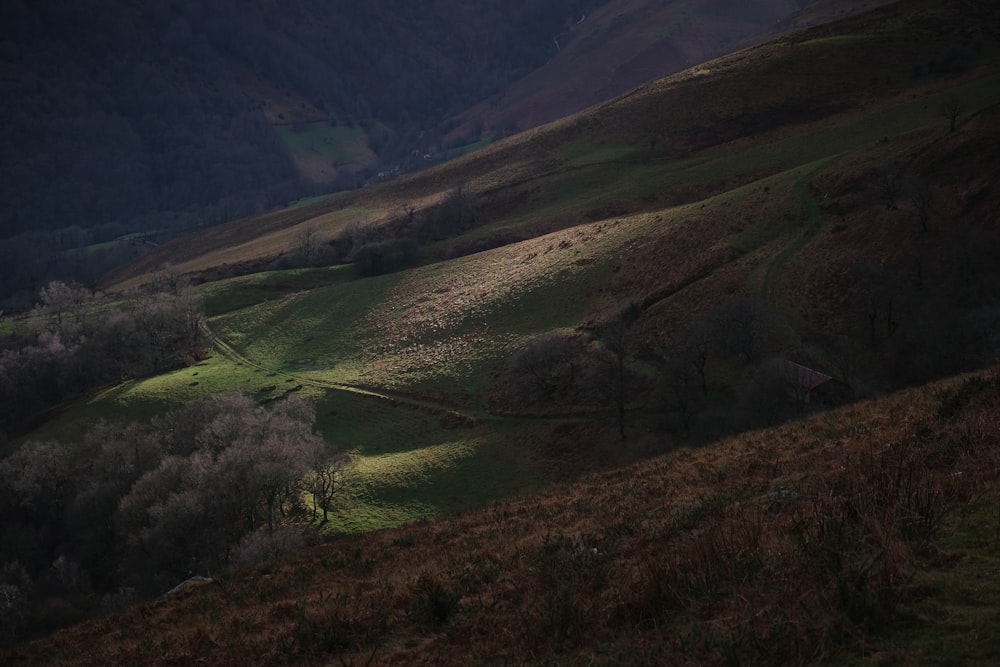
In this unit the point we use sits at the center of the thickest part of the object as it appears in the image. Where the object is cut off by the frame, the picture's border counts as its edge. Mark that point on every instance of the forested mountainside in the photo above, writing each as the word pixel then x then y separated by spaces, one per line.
pixel 176 98
pixel 121 117
pixel 123 120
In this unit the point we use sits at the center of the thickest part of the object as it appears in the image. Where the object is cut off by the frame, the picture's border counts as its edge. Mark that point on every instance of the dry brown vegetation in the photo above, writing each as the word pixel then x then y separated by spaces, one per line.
pixel 799 544
pixel 752 98
pixel 840 537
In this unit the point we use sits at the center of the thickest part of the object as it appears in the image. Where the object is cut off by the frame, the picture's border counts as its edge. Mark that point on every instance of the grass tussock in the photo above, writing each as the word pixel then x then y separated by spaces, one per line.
pixel 808 543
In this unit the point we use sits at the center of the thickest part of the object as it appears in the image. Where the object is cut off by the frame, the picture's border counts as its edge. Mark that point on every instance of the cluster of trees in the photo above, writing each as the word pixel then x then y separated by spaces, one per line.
pixel 589 370
pixel 134 508
pixel 939 315
pixel 734 367
pixel 30 260
pixel 378 249
pixel 73 343
pixel 610 367
pixel 92 136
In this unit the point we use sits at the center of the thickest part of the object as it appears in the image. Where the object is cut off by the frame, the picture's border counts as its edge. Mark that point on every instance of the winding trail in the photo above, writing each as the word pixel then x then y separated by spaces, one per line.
pixel 773 273
pixel 231 353
pixel 470 417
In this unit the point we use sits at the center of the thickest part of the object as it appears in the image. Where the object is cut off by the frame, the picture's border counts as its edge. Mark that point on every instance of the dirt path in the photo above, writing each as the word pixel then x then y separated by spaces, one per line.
pixel 231 353
pixel 774 272
pixel 458 415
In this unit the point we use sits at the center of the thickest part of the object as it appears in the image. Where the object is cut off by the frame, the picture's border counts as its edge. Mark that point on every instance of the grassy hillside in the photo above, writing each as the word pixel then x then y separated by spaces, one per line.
pixel 320 149
pixel 761 175
pixel 861 536
pixel 623 45
pixel 825 200
pixel 739 119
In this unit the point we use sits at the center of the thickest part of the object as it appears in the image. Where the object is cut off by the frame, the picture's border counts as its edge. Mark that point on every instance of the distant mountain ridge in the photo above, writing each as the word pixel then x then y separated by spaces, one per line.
pixel 121 119
pixel 626 43
pixel 114 112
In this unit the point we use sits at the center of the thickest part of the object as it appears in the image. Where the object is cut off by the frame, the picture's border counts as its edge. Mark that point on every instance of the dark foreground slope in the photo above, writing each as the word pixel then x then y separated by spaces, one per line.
pixel 865 533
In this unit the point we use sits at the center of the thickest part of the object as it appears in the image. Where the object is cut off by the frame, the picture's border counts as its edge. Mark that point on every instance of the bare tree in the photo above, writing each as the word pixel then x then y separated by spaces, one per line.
pixel 62 305
pixel 15 602
pixel 191 511
pixel 617 336
pixel 890 185
pixel 307 245
pixel 740 323
pixel 167 279
pixel 951 109
pixel 873 294
pixel 325 482
pixel 546 370
pixel 922 197
pixel 681 394
pixel 683 365
pixel 169 324
pixel 39 476
pixel 694 346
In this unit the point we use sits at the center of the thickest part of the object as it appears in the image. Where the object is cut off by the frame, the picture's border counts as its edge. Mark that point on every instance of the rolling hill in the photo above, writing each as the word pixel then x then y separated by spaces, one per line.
pixel 854 537
pixel 623 45
pixel 123 122
pixel 182 115
pixel 824 200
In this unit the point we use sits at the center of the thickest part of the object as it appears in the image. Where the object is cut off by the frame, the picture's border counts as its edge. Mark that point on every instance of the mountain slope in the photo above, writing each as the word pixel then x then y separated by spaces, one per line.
pixel 790 218
pixel 181 102
pixel 841 537
pixel 657 132
pixel 190 107
pixel 651 274
pixel 623 45
pixel 124 121
pixel 832 199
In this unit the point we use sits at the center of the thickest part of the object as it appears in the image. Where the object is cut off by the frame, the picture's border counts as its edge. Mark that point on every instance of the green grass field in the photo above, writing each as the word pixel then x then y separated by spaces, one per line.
pixel 336 143
pixel 387 358
pixel 431 338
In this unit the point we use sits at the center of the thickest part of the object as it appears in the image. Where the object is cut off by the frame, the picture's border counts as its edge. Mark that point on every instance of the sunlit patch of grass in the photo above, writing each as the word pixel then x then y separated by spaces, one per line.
pixel 305 330
pixel 314 199
pixel 445 320
pixel 411 470
pixel 424 482
pixel 585 154
pixel 223 296
pixel 140 400
pixel 410 465
pixel 438 328
pixel 467 148
pixel 838 40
